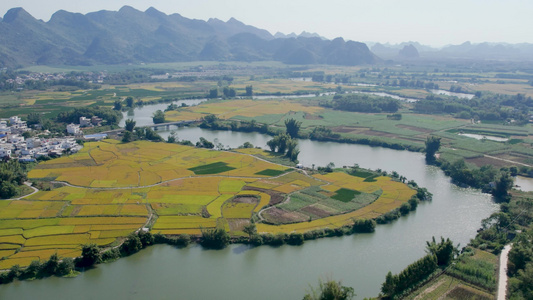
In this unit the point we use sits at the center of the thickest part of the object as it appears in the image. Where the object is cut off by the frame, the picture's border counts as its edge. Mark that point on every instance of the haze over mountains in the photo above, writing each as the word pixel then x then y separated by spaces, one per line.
pixel 464 51
pixel 133 36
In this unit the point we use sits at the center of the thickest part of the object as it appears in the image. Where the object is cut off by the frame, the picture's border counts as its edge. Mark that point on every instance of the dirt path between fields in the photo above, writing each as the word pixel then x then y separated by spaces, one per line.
pixel 35 190
pixel 502 278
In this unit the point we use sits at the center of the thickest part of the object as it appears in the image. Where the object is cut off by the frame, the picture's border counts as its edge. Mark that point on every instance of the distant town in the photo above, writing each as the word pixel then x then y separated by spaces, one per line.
pixel 18 141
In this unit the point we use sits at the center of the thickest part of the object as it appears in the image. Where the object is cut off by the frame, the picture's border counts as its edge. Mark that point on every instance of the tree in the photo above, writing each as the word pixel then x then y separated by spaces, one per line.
pixel 90 255
pixel 131 245
pixel 250 230
pixel 65 267
pixel 432 146
pixel 128 137
pixel 229 92
pixel 330 290
pixel 203 143
pixel 158 117
pixel 117 105
pixel 502 185
pixel 7 190
pixel 172 137
pixel 130 125
pixel 249 91
pixel 34 118
pixel 364 226
pixel 151 135
pixel 444 251
pixel 213 93
pixel 292 127
pixel 216 238
pixel 389 285
pixel 129 101
pixel 51 266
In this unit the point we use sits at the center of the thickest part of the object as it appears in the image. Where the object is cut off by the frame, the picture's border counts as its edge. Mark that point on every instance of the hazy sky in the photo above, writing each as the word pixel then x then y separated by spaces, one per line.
pixel 433 22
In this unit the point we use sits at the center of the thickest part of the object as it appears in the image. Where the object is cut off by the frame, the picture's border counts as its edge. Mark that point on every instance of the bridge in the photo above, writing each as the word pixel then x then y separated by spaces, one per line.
pixel 165 125
pixel 168 124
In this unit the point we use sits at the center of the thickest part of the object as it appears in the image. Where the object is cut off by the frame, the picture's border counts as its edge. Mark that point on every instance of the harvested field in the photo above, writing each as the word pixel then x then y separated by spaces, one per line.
pixel 347 129
pixel 275 197
pixel 278 216
pixel 245 199
pixel 237 224
pixel 414 128
pixel 378 133
pixel 317 210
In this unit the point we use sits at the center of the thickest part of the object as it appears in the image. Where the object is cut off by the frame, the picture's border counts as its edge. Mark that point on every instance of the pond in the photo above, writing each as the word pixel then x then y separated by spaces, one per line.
pixel 481 137
pixel 452 94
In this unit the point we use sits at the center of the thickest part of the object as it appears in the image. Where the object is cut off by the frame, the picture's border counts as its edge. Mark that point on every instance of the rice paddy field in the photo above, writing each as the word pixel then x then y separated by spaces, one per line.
pixel 411 130
pixel 111 189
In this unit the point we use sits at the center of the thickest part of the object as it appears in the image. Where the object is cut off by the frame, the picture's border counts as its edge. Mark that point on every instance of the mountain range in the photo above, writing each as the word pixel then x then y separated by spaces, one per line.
pixel 464 51
pixel 133 36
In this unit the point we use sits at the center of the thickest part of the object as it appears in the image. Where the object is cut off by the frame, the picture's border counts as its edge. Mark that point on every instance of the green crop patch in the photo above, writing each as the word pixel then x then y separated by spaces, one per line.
pixel 361 174
pixel 214 168
pixel 371 178
pixel 270 172
pixel 345 195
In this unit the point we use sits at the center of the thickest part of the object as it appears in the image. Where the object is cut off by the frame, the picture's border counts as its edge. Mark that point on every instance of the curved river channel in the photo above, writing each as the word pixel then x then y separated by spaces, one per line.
pixel 241 272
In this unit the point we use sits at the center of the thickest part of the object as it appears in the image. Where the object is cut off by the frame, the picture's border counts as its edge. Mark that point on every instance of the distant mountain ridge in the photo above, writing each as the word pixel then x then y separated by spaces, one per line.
pixel 465 51
pixel 133 36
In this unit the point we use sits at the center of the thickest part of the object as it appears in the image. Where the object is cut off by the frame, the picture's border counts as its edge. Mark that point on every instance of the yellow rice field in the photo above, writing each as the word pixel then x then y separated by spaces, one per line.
pixel 116 187
pixel 244 108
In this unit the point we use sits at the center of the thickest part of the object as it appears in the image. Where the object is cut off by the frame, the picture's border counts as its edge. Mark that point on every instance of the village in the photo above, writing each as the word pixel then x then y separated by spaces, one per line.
pixel 18 141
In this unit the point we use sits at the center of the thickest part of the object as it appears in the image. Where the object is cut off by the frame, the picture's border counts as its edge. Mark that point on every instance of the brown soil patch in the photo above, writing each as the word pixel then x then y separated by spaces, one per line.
pixel 429 290
pixel 346 129
pixel 465 292
pixel 414 128
pixel 312 117
pixel 237 224
pixel 245 199
pixel 316 211
pixel 279 216
pixel 481 161
pixel 378 133
pixel 275 197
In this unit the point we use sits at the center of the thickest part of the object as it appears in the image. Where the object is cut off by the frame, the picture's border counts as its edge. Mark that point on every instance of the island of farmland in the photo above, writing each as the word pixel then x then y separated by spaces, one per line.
pixel 111 189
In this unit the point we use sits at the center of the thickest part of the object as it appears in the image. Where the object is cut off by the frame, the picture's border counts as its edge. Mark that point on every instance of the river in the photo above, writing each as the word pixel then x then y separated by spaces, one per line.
pixel 241 272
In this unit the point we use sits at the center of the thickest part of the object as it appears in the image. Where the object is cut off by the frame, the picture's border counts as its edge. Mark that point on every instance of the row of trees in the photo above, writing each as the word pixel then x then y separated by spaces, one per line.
pixel 363 103
pixel 438 255
pixel 487 107
pixel 229 92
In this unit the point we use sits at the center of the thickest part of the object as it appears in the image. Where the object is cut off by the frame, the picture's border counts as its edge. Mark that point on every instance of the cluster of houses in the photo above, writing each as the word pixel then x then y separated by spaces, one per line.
pixel 14 145
pixel 92 77
pixel 75 129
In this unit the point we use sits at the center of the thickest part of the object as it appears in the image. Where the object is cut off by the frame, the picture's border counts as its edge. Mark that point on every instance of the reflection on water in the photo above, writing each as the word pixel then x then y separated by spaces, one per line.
pixel 524 183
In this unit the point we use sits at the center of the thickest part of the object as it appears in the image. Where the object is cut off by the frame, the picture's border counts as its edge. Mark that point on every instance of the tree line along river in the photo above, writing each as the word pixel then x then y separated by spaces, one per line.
pixel 243 272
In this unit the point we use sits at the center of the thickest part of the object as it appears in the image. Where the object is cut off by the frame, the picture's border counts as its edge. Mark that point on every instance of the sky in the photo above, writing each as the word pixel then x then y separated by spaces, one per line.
pixel 430 22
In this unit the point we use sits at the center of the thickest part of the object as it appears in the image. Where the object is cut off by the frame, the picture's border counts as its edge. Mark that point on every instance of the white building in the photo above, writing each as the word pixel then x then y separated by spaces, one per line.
pixel 73 129
pixel 5 152
pixel 33 143
pixel 15 139
pixel 14 120
pixel 85 122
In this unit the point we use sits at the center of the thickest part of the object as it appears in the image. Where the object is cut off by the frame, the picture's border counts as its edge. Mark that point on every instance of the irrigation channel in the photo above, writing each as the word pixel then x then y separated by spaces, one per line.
pixel 242 272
